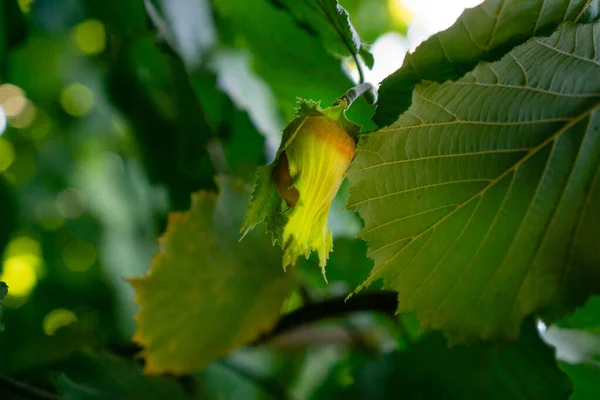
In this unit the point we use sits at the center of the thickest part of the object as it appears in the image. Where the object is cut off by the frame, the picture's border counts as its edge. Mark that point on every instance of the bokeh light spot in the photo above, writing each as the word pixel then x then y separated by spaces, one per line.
pixel 25 116
pixel 69 203
pixel 22 268
pixel 90 37
pixel 25 5
pixel 57 319
pixel 39 128
pixel 7 154
pixel 79 255
pixel 19 274
pixel 12 99
pixel 48 216
pixel 25 166
pixel 77 99
pixel 401 15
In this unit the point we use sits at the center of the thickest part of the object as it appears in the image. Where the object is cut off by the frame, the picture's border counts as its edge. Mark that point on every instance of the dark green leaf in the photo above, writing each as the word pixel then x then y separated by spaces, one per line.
pixel 480 201
pixel 329 20
pixel 430 370
pixel 125 18
pixel 290 60
pixel 485 33
pixel 3 293
pixel 13 28
pixel 207 293
pixel 104 376
pixel 187 26
pixel 585 378
pixel 585 318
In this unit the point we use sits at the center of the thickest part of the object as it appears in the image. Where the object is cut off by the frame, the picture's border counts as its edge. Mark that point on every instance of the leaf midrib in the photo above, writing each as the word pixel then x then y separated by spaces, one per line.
pixel 572 122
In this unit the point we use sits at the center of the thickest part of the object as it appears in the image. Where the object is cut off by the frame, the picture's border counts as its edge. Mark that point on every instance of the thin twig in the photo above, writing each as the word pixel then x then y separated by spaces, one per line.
pixel 23 388
pixel 384 302
pixel 355 92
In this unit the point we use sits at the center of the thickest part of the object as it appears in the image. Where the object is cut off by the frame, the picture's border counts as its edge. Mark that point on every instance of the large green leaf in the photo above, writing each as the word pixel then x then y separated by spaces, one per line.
pixel 329 20
pixel 207 293
pixel 486 33
pixel 481 202
pixel 429 370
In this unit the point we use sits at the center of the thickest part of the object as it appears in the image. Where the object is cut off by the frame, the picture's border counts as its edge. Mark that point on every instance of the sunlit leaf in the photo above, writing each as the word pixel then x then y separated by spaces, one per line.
pixel 486 33
pixel 207 293
pixel 480 202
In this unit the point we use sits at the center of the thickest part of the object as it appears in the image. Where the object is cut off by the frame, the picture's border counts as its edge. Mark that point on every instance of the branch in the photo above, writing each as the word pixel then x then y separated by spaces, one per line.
pixel 384 302
pixel 16 387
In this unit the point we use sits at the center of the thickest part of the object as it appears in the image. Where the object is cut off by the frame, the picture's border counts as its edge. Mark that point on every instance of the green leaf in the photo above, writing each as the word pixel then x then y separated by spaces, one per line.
pixel 586 317
pixel 430 370
pixel 486 33
pixel 330 21
pixel 579 347
pixel 292 62
pixel 347 267
pixel 89 376
pixel 186 25
pixel 3 293
pixel 207 293
pixel 373 18
pixel 13 27
pixel 125 18
pixel 480 202
pixel 585 378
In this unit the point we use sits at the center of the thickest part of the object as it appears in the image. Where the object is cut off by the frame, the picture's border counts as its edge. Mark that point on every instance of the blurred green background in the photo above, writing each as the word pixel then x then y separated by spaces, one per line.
pixel 111 114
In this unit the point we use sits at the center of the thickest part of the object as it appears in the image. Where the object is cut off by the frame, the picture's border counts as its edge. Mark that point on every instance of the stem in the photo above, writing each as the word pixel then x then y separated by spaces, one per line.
pixel 384 302
pixel 361 74
pixel 355 92
pixel 32 392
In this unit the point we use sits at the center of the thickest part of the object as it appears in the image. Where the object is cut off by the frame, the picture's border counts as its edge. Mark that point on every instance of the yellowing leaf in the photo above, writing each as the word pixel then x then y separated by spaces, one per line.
pixel 481 202
pixel 207 293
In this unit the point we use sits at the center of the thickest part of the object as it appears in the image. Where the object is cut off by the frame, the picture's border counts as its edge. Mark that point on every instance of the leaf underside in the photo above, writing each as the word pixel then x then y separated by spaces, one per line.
pixel 485 32
pixel 207 293
pixel 480 202
pixel 327 19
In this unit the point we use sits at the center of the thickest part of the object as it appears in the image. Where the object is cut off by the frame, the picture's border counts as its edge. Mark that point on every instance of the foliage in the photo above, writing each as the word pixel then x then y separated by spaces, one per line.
pixel 185 273
pixel 485 32
pixel 469 221
pixel 470 242
pixel 3 293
